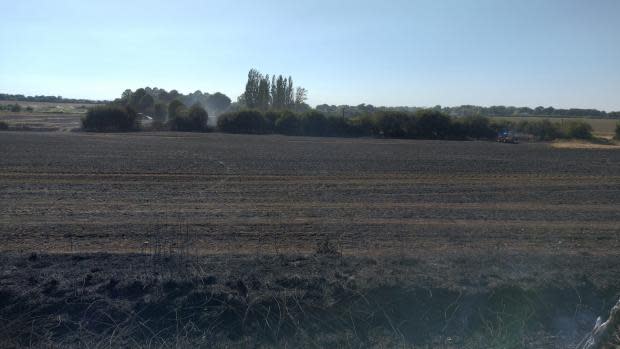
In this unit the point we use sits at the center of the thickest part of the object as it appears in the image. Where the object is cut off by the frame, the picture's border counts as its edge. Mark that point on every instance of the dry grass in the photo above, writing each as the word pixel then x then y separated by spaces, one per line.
pixel 576 144
pixel 600 127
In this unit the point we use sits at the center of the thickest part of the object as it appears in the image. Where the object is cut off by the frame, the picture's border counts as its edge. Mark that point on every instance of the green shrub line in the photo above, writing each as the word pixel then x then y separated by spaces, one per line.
pixel 422 124
pixel 110 118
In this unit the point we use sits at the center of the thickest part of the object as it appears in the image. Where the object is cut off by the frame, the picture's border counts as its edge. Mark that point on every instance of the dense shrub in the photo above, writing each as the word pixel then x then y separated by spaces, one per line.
pixel 618 130
pixel 3 126
pixel 395 124
pixel 577 129
pixel 364 126
pixel 542 130
pixel 175 108
pixel 431 124
pixel 338 126
pixel 545 130
pixel 314 123
pixel 424 124
pixel 270 120
pixel 110 118
pixel 159 112
pixel 246 121
pixel 192 120
pixel 288 124
pixel 478 127
pixel 16 108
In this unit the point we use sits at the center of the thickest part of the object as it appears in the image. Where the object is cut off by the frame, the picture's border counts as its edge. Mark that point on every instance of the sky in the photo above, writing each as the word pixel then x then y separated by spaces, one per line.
pixel 561 53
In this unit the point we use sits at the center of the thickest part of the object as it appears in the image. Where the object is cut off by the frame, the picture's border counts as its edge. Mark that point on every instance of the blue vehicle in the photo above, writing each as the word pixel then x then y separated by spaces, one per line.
pixel 506 136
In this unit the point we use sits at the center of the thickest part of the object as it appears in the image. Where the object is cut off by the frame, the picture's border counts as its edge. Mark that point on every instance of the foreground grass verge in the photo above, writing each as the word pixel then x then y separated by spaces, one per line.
pixel 166 301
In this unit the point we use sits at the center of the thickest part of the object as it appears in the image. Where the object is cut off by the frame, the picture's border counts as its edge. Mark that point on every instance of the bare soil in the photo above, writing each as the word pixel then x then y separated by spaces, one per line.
pixel 483 226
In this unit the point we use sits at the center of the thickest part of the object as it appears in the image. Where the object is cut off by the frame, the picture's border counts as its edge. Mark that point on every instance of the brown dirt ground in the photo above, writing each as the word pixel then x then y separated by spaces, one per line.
pixel 442 227
pixel 106 193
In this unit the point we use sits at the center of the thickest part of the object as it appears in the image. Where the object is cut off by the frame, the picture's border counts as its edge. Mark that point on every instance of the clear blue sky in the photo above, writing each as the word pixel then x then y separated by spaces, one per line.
pixel 563 53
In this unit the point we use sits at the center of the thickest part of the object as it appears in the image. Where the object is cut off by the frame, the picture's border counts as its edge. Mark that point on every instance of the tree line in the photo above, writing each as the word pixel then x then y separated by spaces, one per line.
pixel 421 124
pixel 263 92
pixel 15 108
pixel 155 102
pixel 50 99
pixel 470 110
pixel 272 104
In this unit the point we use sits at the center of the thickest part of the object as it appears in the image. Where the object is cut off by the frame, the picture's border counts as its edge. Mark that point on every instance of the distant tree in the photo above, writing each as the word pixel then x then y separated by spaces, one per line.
pixel 126 96
pixel 274 92
pixel 278 98
pixel 301 95
pixel 163 95
pixel 264 97
pixel 289 100
pixel 252 89
pixel 146 103
pixel 173 94
pixel 618 130
pixel 16 108
pixel 136 97
pixel 175 108
pixel 217 103
pixel 159 112
pixel 110 119
pixel 539 110
pixel 194 119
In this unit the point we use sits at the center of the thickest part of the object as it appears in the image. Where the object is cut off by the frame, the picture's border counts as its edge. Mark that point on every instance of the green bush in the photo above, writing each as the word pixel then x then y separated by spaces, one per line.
pixel 364 126
pixel 425 124
pixel 246 121
pixel 395 124
pixel 432 124
pixel 542 130
pixel 577 130
pixel 478 127
pixel 618 130
pixel 338 126
pixel 110 119
pixel 314 123
pixel 192 120
pixel 175 108
pixel 159 112
pixel 288 124
pixel 4 125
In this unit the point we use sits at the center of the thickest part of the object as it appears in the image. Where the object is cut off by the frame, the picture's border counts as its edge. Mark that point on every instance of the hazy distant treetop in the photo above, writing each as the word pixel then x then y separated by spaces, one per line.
pixel 263 93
